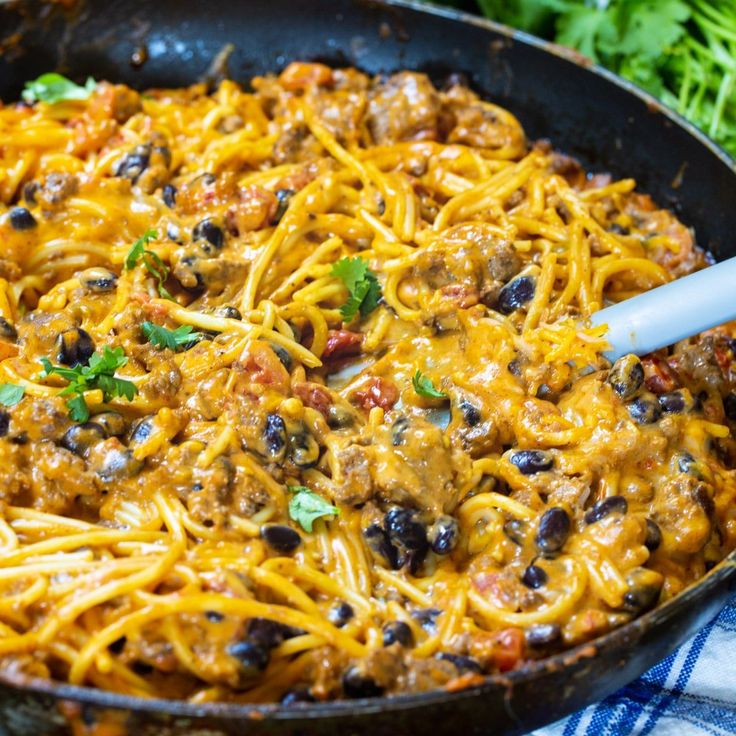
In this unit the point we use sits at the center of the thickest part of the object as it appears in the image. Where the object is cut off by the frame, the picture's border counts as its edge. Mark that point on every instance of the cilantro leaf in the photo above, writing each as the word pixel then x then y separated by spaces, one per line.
pixel 161 337
pixel 306 506
pixel 78 409
pixel 10 394
pixel 424 387
pixel 149 260
pixel 362 285
pixel 53 87
pixel 99 373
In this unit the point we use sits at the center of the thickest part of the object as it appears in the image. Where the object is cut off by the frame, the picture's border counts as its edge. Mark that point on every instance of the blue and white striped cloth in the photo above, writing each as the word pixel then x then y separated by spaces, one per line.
pixel 691 693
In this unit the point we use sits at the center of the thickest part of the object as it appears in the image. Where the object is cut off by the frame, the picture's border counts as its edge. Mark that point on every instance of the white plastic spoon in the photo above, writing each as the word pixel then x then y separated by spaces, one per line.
pixel 672 312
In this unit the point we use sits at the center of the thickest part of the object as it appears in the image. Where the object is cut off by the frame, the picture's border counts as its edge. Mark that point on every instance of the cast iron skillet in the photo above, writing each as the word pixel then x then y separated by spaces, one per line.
pixel 585 111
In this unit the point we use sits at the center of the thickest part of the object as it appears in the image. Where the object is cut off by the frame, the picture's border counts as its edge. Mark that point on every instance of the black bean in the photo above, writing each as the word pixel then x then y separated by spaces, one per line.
pixel 118 645
pixel 444 535
pixel 19 439
pixel 80 438
pixel 553 530
pixel 4 423
pixel 538 636
pixel 729 406
pixel 303 448
pixel 98 280
pixel 340 614
pixel 547 393
pixel 173 233
pixel 471 413
pixel 284 197
pixel 463 663
pixel 686 463
pixel 214 617
pixel 251 657
pixel 74 347
pixel 141 431
pixel 515 530
pixel 643 592
pixel 672 403
pixel 398 430
pixel 281 538
pixel 626 376
pixel 168 194
pixel 113 423
pixel 606 506
pixel 534 577
pixel 516 294
pixel 207 230
pixel 654 536
pixel 269 633
pixel 118 464
pixel 134 163
pixel 274 437
pixel 22 219
pixel 338 417
pixel 704 498
pixel 514 367
pixel 30 190
pixel 229 312
pixel 644 411
pixel 298 695
pixel 397 631
pixel 142 668
pixel 614 227
pixel 357 685
pixel 530 462
pixel 7 330
pixel 283 355
pixel 404 530
pixel 426 617
pixel 378 541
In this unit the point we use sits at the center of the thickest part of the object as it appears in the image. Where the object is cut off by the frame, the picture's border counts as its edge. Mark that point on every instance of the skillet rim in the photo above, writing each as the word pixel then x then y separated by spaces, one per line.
pixel 714 581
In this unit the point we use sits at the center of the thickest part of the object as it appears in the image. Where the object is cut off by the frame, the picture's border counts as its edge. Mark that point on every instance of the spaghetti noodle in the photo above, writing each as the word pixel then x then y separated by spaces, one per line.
pixel 299 401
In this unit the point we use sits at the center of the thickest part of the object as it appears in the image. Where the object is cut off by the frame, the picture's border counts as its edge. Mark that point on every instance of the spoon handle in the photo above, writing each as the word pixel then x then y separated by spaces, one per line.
pixel 672 312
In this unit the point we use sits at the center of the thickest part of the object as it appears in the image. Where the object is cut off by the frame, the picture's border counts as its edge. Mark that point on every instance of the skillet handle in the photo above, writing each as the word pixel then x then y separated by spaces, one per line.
pixel 680 309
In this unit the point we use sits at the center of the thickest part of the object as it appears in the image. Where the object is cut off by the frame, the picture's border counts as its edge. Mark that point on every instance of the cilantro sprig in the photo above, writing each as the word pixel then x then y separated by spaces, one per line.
pixel 424 387
pixel 52 88
pixel 149 260
pixel 306 506
pixel 10 394
pixel 182 338
pixel 362 285
pixel 99 373
pixel 681 51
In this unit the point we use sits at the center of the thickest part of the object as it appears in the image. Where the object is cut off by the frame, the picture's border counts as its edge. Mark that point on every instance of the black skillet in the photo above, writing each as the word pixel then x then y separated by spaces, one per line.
pixel 605 122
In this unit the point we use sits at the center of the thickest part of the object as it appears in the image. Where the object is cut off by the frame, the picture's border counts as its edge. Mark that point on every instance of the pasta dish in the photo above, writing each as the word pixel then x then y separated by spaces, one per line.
pixel 298 400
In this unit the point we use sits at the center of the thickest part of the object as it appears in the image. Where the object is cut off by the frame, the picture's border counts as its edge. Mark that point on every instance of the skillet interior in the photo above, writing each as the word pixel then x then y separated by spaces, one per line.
pixel 584 111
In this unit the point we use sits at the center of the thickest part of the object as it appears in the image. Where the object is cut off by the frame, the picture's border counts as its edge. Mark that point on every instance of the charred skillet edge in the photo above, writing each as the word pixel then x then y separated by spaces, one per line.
pixel 718 581
pixel 567 54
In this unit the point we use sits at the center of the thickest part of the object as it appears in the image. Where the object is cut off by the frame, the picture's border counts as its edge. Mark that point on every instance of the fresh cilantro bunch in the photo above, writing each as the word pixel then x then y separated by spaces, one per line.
pixel 182 338
pixel 52 88
pixel 682 51
pixel 149 260
pixel 306 506
pixel 99 373
pixel 362 285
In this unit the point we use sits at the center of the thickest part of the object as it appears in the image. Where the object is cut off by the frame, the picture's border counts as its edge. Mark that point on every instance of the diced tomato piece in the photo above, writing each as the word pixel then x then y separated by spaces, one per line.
pixel 342 343
pixel 659 377
pixel 256 208
pixel 263 366
pixel 313 395
pixel 300 75
pixel 377 392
